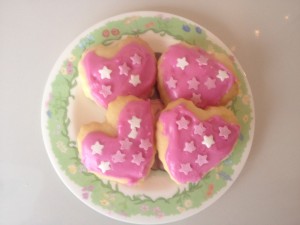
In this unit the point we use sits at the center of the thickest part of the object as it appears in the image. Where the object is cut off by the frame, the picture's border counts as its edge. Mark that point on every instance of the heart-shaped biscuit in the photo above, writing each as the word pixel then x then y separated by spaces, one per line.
pixel 121 149
pixel 127 67
pixel 192 141
pixel 188 72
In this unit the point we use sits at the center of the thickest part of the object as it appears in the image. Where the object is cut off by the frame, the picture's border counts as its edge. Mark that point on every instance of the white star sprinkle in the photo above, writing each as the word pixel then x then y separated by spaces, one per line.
pixel 119 157
pixel 105 91
pixel 189 147
pixel 196 98
pixel 105 73
pixel 135 80
pixel 125 144
pixel 224 132
pixel 137 159
pixel 97 148
pixel 210 83
pixel 182 123
pixel 201 160
pixel 124 69
pixel 136 59
pixel 185 168
pixel 171 83
pixel 193 84
pixel 182 63
pixel 208 141
pixel 104 166
pixel 145 144
pixel 133 133
pixel 222 75
pixel 199 129
pixel 135 122
pixel 202 60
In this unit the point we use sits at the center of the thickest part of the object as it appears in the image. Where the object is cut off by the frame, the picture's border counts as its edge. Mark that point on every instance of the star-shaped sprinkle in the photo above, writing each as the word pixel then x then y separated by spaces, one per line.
pixel 193 84
pixel 224 132
pixel 135 80
pixel 199 129
pixel 185 168
pixel 171 83
pixel 133 133
pixel 202 60
pixel 182 123
pixel 222 75
pixel 196 98
pixel 124 69
pixel 136 59
pixel 208 141
pixel 201 160
pixel 137 159
pixel 104 166
pixel 210 83
pixel 105 90
pixel 182 63
pixel 145 144
pixel 97 148
pixel 105 73
pixel 189 147
pixel 118 157
pixel 135 122
pixel 125 144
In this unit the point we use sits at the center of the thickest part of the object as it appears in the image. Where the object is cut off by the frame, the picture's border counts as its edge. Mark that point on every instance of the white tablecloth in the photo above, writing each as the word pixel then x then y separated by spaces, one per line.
pixel 264 36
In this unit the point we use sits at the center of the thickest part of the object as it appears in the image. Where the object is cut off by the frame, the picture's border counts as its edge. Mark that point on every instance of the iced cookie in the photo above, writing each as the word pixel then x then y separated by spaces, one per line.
pixel 126 67
pixel 188 72
pixel 192 141
pixel 121 149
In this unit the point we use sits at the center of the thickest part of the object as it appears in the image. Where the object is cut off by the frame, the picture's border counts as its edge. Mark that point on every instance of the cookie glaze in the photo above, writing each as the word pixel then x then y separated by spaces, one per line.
pixel 195 146
pixel 128 156
pixel 193 74
pixel 132 71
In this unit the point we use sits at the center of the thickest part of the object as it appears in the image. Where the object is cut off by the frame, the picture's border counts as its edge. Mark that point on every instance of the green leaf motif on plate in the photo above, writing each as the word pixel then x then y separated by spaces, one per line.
pixel 65 150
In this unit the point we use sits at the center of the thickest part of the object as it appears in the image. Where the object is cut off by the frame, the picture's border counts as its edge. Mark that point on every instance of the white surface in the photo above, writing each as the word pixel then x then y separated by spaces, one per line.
pixel 32 36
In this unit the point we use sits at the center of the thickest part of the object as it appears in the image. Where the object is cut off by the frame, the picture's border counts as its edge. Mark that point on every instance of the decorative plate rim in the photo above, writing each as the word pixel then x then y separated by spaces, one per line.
pixel 74 188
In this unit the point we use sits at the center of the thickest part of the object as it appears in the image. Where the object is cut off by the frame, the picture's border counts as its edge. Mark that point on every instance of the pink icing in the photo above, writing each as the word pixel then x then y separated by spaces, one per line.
pixel 186 150
pixel 140 151
pixel 192 73
pixel 133 72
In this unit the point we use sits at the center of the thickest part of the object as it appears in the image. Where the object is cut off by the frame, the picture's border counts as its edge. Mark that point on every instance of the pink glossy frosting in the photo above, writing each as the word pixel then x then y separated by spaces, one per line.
pixel 127 156
pixel 193 74
pixel 195 146
pixel 131 72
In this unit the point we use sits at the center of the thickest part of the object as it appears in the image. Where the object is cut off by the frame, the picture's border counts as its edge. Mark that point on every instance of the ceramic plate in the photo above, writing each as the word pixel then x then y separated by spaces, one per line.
pixel 65 109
